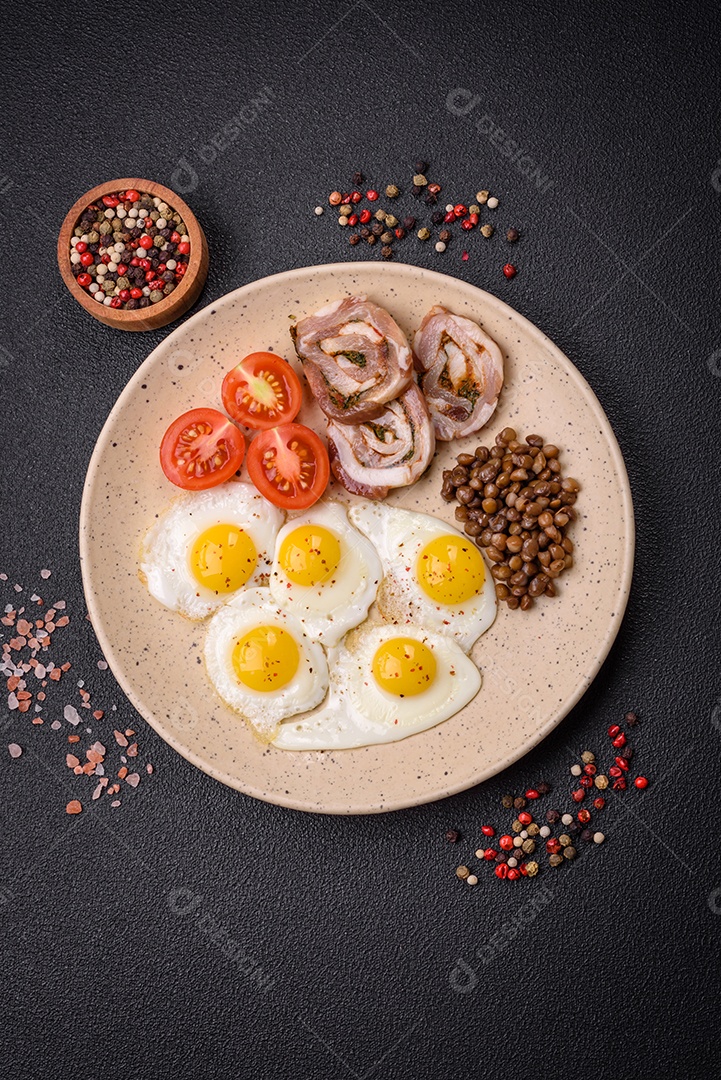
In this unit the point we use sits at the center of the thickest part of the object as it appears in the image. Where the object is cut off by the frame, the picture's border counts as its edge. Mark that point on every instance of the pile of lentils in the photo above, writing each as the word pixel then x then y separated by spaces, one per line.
pixel 516 504
pixel 129 250
pixel 385 226
pixel 516 854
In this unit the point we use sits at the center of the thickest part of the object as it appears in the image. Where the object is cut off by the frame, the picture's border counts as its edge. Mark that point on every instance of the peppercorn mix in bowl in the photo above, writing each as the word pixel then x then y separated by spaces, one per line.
pixel 133 254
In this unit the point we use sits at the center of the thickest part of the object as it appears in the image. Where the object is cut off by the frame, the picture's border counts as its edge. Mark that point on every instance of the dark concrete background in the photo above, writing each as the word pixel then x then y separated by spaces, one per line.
pixel 129 932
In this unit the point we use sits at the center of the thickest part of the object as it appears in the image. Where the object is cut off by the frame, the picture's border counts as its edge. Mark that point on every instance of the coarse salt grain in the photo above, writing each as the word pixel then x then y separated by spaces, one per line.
pixel 56 725
pixel 45 574
pixel 71 714
pixel 14 750
pixel 102 664
pixel 133 779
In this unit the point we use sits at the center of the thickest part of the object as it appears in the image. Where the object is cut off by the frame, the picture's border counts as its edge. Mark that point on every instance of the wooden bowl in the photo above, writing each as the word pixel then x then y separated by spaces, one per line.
pixel 166 310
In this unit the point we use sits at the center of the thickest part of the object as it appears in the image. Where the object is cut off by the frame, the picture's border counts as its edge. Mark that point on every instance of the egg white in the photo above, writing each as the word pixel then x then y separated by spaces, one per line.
pixel 328 610
pixel 263 710
pixel 165 553
pixel 358 712
pixel 399 536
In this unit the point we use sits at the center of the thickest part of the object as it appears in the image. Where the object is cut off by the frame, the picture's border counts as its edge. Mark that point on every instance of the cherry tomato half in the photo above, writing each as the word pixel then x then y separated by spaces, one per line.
pixel 200 449
pixel 289 466
pixel 262 391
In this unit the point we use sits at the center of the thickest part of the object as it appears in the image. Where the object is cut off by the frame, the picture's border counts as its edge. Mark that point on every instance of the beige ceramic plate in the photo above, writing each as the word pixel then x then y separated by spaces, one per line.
pixel 535 665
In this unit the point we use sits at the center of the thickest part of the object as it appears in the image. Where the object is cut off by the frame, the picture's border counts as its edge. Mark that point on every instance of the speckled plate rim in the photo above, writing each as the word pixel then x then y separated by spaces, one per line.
pixel 433 793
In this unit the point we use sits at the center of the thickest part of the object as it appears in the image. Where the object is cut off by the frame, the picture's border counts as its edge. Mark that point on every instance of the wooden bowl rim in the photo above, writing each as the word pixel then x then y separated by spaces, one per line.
pixel 179 298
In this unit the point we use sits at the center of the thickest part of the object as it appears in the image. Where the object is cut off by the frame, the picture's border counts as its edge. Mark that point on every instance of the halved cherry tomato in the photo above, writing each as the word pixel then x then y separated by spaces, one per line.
pixel 262 391
pixel 289 466
pixel 200 449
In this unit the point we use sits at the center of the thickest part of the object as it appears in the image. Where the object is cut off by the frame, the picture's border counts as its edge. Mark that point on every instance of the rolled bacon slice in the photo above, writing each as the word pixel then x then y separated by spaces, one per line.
pixel 390 451
pixel 463 372
pixel 355 357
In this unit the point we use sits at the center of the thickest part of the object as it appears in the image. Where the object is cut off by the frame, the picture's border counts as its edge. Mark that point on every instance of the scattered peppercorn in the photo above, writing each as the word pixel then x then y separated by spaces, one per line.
pixel 392 191
pixel 353 239
pixel 512 235
pixel 387 251
pixel 553 816
pixel 510 270
pixel 641 782
pixel 437 217
pixel 462 872
pixel 420 166
pixel 387 237
pixel 556 860
pixel 453 836
pixel 444 235
pixel 419 180
pixel 631 719
pixel 440 246
pixel 424 234
pixel 506 802
pixel 569 852
pixel 409 222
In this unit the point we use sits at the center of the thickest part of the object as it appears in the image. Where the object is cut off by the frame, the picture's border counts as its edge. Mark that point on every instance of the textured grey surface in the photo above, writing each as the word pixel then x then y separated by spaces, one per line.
pixel 117 923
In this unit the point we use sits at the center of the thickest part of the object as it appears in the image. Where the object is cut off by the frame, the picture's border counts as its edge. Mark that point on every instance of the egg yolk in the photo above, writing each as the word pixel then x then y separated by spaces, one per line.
pixel 309 555
pixel 223 558
pixel 450 570
pixel 404 667
pixel 266 658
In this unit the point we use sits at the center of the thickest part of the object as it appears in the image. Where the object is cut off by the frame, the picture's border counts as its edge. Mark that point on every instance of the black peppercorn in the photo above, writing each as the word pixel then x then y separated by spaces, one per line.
pixel 512 235
pixel 519 803
pixel 387 251
pixel 357 178
pixel 409 222
pixel 377 228
pixel 444 235
pixel 416 192
pixel 437 217
pixel 453 836
pixel 353 239
pixel 420 167
pixel 552 816
pixel 431 199
pixel 543 788
pixel 631 719
pixel 506 802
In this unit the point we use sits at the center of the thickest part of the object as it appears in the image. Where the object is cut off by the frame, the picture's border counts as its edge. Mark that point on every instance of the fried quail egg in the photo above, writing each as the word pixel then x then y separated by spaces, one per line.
pixel 434 575
pixel 208 546
pixel 387 682
pixel 262 663
pixel 325 572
